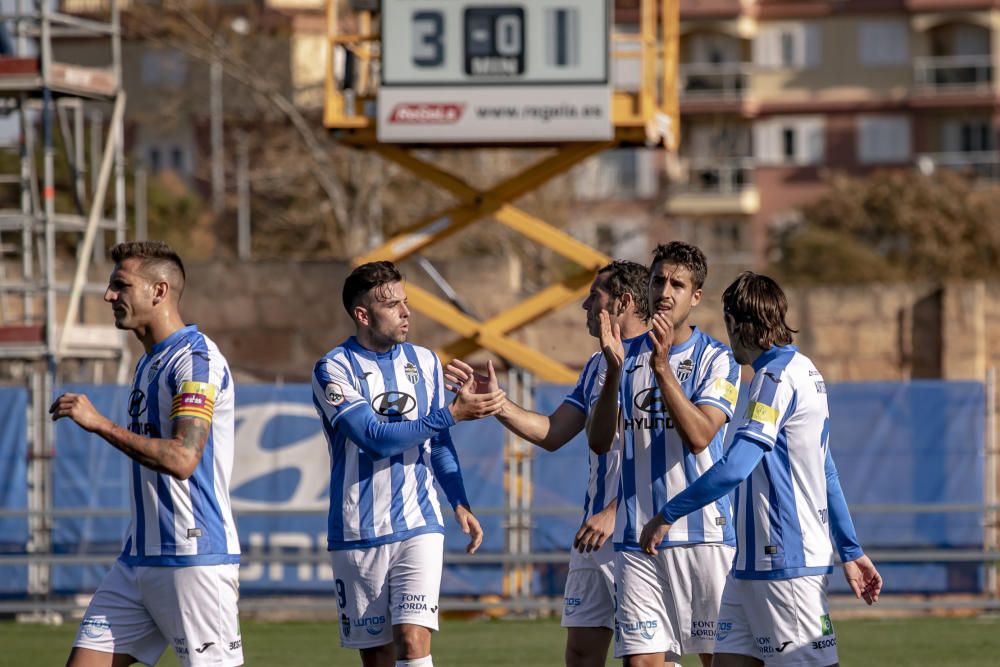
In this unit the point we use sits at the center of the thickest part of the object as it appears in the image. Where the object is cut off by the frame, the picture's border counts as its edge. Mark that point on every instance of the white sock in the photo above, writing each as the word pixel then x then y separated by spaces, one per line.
pixel 419 662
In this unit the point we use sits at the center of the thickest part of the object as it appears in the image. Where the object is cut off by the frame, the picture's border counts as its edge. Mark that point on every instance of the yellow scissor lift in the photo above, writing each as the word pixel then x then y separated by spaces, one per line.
pixel 643 117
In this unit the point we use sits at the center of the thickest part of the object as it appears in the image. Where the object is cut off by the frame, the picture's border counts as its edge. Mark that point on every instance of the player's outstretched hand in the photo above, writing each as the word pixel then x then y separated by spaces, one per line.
pixel 78 408
pixel 863 579
pixel 611 342
pixel 596 530
pixel 457 373
pixel 654 532
pixel 469 524
pixel 470 405
pixel 662 336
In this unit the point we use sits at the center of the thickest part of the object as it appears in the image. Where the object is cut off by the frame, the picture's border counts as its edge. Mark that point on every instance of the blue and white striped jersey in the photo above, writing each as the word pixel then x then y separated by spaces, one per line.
pixel 376 499
pixel 602 484
pixel 189 522
pixel 656 465
pixel 782 522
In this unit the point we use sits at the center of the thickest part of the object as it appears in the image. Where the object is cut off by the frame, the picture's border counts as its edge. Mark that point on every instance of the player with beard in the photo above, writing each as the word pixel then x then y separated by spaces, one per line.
pixel 619 292
pixel 669 393
pixel 381 400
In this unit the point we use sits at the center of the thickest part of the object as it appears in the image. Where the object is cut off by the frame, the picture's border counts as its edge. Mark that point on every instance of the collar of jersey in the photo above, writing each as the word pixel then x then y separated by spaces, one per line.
pixel 173 338
pixel 771 355
pixel 692 339
pixel 369 354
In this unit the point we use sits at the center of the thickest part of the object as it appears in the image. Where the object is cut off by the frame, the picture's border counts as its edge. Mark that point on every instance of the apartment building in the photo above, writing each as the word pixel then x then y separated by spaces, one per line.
pixel 775 92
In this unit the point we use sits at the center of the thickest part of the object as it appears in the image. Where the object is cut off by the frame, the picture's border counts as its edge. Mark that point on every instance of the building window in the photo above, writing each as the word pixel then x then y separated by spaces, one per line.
pixel 967 136
pixel 883 139
pixel 788 45
pixel 788 144
pixel 790 140
pixel 155 162
pixel 177 159
pixel 884 43
pixel 164 68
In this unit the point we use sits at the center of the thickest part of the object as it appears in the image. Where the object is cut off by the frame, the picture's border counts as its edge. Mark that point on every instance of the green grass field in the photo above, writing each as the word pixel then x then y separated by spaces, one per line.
pixel 895 643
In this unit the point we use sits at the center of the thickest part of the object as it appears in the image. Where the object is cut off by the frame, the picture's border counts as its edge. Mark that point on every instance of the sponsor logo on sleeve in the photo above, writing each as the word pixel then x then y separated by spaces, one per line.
pixel 727 390
pixel 763 413
pixel 334 394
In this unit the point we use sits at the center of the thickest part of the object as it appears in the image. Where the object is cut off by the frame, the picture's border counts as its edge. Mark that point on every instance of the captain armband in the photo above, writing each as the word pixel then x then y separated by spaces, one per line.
pixel 194 399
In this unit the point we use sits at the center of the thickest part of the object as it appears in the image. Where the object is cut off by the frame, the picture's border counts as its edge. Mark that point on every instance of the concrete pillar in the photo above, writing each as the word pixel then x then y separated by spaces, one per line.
pixel 963 331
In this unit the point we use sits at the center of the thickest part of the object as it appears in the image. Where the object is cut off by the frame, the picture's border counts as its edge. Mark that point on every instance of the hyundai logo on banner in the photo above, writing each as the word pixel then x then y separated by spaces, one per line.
pixel 281 457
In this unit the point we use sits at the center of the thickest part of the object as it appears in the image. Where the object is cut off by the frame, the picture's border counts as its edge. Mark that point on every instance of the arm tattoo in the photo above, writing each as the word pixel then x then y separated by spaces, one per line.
pixel 165 455
pixel 193 434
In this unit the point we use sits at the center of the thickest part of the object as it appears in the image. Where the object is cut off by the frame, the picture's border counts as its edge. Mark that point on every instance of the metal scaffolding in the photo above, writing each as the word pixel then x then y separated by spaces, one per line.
pixel 59 223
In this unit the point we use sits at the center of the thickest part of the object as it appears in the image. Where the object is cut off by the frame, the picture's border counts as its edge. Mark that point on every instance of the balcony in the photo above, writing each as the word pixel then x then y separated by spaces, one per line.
pixel 960 74
pixel 714 81
pixel 713 186
pixel 979 165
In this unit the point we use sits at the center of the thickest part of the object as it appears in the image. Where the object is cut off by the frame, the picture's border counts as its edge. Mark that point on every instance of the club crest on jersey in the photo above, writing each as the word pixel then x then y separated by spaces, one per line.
pixel 334 394
pixel 684 370
pixel 155 366
pixel 412 372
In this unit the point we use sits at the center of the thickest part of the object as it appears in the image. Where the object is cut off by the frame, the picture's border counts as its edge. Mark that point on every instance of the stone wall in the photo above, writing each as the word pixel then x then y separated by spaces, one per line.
pixel 274 319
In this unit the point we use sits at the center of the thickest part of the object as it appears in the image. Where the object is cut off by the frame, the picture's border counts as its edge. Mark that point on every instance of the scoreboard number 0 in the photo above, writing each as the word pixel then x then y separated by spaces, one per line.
pixel 495 40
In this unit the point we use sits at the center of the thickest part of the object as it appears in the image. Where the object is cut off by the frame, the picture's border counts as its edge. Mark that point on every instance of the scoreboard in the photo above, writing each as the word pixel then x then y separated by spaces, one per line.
pixel 494 71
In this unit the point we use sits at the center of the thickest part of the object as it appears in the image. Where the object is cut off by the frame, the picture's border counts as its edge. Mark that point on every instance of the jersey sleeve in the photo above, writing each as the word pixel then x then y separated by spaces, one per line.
pixel 720 386
pixel 578 397
pixel 771 397
pixel 335 389
pixel 196 378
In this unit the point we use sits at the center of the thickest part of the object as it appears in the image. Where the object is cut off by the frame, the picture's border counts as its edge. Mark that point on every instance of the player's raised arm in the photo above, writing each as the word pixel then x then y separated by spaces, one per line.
pixel 550 432
pixel 697 421
pixel 604 415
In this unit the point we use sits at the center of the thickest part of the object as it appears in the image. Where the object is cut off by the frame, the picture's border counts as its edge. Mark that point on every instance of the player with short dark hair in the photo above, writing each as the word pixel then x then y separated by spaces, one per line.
pixel 177 578
pixel 669 393
pixel 382 403
pixel 788 494
pixel 619 291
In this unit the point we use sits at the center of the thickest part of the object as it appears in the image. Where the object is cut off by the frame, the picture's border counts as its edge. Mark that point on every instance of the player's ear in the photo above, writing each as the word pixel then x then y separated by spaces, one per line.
pixel 696 297
pixel 161 289
pixel 361 315
pixel 626 301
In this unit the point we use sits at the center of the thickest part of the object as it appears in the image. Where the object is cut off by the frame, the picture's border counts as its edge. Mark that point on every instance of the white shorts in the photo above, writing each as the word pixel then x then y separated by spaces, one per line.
pixel 669 603
pixel 589 601
pixel 139 610
pixel 779 621
pixel 379 587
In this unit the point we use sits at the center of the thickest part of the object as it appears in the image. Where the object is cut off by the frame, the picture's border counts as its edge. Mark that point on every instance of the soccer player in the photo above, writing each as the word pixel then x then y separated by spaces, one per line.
pixel 619 290
pixel 382 403
pixel 177 578
pixel 677 389
pixel 789 500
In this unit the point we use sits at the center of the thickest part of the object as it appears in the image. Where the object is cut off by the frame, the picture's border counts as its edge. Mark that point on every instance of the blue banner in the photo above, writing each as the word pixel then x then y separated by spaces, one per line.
pixel 13 485
pixel 916 442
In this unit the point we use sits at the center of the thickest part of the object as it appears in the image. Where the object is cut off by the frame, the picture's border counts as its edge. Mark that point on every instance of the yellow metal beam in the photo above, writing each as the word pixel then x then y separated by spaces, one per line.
pixel 475 204
pixel 517 353
pixel 670 12
pixel 555 296
pixel 552 238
